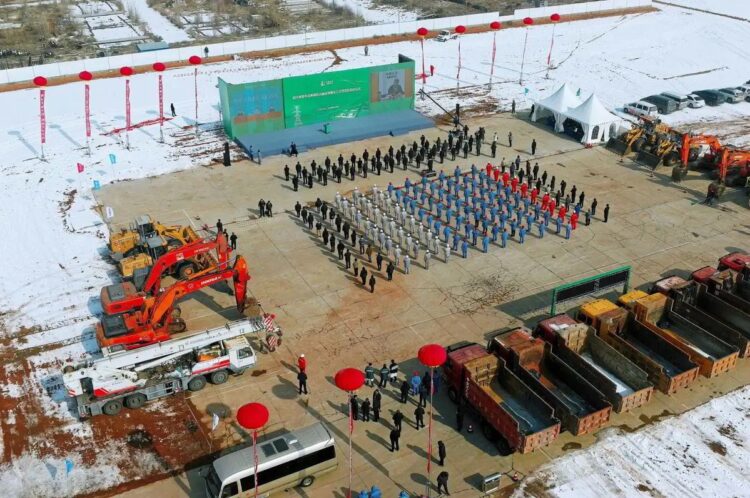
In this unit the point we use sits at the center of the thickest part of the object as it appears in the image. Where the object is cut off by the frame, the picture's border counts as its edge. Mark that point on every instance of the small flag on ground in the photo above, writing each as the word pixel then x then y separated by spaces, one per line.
pixel 68 466
pixel 80 167
pixel 112 159
pixel 268 322
pixel 97 185
pixel 214 422
pixel 109 212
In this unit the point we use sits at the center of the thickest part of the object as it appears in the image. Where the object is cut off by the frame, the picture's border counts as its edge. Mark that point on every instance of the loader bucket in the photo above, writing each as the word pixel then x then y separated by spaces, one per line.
pixel 648 159
pixel 617 146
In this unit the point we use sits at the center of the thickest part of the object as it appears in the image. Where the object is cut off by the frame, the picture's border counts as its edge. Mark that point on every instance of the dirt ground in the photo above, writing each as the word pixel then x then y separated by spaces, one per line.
pixel 657 227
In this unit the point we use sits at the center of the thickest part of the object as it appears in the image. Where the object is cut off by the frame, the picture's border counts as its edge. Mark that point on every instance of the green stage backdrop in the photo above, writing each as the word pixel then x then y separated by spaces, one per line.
pixel 262 106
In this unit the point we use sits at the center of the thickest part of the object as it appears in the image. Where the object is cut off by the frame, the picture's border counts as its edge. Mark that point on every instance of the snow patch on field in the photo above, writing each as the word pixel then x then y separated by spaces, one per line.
pixel 157 23
pixel 374 14
pixel 702 452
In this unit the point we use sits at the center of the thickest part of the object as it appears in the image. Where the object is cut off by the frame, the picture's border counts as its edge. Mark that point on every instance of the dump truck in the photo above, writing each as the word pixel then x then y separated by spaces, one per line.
pixel 506 406
pixel 131 378
pixel 711 354
pixel 692 300
pixel 726 285
pixel 668 367
pixel 580 407
pixel 620 380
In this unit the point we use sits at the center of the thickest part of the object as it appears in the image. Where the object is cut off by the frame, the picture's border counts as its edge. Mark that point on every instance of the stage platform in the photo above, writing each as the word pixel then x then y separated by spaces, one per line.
pixel 346 130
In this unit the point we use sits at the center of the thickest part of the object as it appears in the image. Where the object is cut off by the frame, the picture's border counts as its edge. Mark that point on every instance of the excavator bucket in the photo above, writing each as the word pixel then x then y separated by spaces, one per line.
pixel 617 145
pixel 241 276
pixel 648 159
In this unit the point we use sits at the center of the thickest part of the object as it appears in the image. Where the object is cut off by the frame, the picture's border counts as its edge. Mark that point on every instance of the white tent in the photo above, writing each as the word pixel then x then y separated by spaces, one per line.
pixel 597 122
pixel 557 104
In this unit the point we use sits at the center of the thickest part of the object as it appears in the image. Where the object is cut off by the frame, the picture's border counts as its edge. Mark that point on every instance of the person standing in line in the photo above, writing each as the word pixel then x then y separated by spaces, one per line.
pixel 389 270
pixel 407 264
pixel 376 396
pixel 372 283
pixel 302 380
pixel 384 376
pixel 355 407
pixel 442 482
pixel 379 260
pixel 427 256
pixel 302 363
pixel 398 418
pixel 510 139
pixel 594 203
pixel 395 434
pixel 513 106
pixel 366 410
pixel 233 241
pixel 348 259
pixel 533 146
pixel 419 417
pixel 404 391
pixel 171 107
pixel 363 276
pixel 606 213
pixel 355 269
pixel 369 375
pixel 393 371
pixel 441 453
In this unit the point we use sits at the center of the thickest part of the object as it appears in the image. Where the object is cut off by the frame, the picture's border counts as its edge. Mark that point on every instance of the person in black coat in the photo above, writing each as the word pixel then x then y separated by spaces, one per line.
pixel 376 399
pixel 355 407
pixel 366 410
pixel 302 379
pixel 441 452
pixel 405 391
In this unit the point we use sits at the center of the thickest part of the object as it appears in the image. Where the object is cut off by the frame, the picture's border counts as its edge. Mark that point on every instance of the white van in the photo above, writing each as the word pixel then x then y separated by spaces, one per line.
pixel 681 100
pixel 294 459
pixel 642 108
pixel 446 35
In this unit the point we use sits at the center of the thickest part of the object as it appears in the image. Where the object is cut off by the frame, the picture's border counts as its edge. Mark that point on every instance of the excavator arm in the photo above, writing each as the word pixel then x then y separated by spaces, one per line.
pixel 689 142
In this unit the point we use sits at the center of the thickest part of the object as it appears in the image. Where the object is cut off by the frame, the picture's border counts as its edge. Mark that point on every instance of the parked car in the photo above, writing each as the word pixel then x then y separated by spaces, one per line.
pixel 732 94
pixel 662 103
pixel 745 89
pixel 446 35
pixel 681 100
pixel 711 97
pixel 642 108
pixel 695 101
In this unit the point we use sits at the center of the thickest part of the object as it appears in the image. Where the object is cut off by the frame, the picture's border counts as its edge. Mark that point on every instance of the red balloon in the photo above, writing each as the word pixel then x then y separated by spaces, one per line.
pixel 495 25
pixel 194 59
pixel 349 379
pixel 554 17
pixel 432 355
pixel 85 76
pixel 460 29
pixel 528 21
pixel 126 71
pixel 252 416
pixel 422 31
pixel 40 81
pixel 159 66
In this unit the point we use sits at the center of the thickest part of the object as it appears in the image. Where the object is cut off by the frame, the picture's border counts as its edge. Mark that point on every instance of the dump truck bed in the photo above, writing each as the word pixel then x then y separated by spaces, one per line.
pixel 712 355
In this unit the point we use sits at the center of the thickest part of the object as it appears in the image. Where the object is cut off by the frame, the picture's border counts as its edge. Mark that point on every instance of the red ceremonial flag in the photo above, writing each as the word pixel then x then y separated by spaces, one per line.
pixel 80 168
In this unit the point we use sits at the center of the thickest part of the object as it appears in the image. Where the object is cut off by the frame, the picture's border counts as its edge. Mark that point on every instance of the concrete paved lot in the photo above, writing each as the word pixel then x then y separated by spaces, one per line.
pixel 655 226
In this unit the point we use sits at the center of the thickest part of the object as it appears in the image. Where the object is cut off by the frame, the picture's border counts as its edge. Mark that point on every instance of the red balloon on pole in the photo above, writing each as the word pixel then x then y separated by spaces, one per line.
pixel 126 71
pixel 85 76
pixel 40 81
pixel 349 379
pixel 554 17
pixel 460 29
pixel 528 21
pixel 252 416
pixel 495 25
pixel 194 59
pixel 422 32
pixel 432 355
pixel 159 66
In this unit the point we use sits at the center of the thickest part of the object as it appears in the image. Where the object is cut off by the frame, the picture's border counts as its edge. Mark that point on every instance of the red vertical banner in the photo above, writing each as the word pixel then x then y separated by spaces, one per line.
pixel 87 109
pixel 42 116
pixel 127 104
pixel 161 101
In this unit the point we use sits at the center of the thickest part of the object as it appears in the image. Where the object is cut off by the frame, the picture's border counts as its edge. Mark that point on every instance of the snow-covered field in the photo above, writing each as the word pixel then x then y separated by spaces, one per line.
pixel 55 238
pixel 702 452
pixel 157 23
pixel 736 8
pixel 374 14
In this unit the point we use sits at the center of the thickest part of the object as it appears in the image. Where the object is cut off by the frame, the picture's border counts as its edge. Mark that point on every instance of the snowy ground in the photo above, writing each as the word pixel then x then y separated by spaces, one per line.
pixel 736 8
pixel 48 294
pixel 374 14
pixel 695 454
pixel 157 23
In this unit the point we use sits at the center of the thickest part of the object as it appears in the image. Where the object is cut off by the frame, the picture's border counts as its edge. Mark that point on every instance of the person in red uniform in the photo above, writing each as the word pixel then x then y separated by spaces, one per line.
pixel 573 220
pixel 496 174
pixel 506 179
pixel 488 168
pixel 552 206
pixel 524 189
pixel 545 201
pixel 514 184
pixel 534 194
pixel 302 363
pixel 562 212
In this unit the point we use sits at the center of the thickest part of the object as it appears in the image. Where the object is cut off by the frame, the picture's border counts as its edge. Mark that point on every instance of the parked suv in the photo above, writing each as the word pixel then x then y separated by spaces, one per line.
pixel 662 103
pixel 711 97
pixel 732 95
pixel 681 100
pixel 642 108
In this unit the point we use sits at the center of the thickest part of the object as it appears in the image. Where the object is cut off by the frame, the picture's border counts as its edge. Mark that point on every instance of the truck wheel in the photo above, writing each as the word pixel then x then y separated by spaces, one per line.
pixel 186 271
pixel 112 407
pixel 453 394
pixel 178 325
pixel 307 481
pixel 503 447
pixel 219 377
pixel 197 383
pixel 135 401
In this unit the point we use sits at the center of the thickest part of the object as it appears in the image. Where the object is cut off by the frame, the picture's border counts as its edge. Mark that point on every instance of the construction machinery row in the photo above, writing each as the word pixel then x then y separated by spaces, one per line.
pixel 570 373
pixel 656 143
pixel 141 357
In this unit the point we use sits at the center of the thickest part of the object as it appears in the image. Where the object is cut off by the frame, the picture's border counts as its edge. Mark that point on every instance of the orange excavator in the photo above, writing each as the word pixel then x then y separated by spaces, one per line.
pixel 695 147
pixel 122 297
pixel 732 168
pixel 158 317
